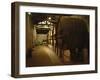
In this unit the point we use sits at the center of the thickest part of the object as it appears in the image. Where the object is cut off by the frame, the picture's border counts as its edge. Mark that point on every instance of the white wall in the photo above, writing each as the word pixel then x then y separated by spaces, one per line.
pixel 5 40
pixel 41 37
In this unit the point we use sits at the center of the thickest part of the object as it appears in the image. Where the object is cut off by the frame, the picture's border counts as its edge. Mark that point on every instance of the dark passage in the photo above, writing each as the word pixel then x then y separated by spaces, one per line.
pixel 53 39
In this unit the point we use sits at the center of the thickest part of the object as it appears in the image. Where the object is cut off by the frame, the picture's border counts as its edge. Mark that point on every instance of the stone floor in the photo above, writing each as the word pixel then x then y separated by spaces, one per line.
pixel 45 56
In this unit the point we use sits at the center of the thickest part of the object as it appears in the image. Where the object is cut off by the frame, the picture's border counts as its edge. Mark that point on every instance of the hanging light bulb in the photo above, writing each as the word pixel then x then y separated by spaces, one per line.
pixel 49 18
pixel 29 13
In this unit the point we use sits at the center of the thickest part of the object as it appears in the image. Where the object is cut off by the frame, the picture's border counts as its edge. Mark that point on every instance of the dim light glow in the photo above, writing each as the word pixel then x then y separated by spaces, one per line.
pixel 49 18
pixel 29 13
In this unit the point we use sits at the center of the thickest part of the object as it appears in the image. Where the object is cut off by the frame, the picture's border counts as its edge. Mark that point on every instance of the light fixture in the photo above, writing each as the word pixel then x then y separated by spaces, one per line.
pixel 49 18
pixel 29 13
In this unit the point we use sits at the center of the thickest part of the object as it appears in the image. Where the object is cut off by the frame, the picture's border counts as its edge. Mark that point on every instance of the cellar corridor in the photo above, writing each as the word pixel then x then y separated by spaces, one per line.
pixel 53 39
